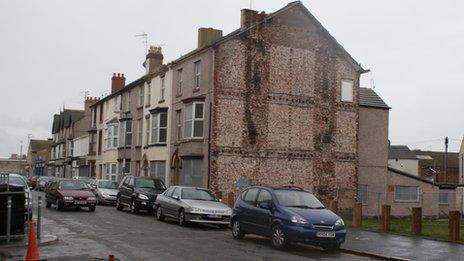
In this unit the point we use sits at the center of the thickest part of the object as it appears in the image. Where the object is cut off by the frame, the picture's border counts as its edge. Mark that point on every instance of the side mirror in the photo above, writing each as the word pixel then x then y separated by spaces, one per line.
pixel 175 197
pixel 265 205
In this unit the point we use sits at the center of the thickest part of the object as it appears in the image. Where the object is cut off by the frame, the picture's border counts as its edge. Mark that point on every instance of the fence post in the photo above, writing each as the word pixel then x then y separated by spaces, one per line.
pixel 454 225
pixel 386 211
pixel 230 199
pixel 39 216
pixel 416 221
pixel 378 206
pixel 357 214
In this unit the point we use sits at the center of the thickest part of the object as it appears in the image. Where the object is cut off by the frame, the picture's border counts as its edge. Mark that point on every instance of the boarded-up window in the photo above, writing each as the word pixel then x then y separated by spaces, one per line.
pixel 347 91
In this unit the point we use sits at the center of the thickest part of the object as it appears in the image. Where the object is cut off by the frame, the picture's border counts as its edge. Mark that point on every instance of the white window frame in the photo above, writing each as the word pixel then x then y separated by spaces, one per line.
pixel 156 128
pixel 112 136
pixel 110 174
pixel 193 120
pixel 408 201
pixel 148 94
pixel 179 81
pixel 197 74
pixel 347 90
pixel 141 95
pixel 163 87
pixel 117 103
pixel 440 202
pixel 179 129
pixel 126 133
pixel 139 132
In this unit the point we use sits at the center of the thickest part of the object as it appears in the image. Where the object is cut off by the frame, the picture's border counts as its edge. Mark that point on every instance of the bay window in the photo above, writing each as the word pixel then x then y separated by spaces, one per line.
pixel 112 136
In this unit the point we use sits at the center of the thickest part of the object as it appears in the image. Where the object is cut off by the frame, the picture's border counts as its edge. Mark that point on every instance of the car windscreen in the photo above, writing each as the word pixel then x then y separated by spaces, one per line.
pixel 108 184
pixel 16 181
pixel 149 183
pixel 73 185
pixel 197 194
pixel 297 199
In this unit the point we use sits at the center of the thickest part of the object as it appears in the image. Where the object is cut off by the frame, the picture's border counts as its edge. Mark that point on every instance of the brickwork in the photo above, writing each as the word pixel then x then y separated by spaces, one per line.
pixel 277 117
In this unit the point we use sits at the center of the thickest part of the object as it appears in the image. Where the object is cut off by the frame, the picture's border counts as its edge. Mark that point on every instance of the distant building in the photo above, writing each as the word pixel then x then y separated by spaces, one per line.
pixel 13 164
pixel 38 157
pixel 402 158
pixel 432 165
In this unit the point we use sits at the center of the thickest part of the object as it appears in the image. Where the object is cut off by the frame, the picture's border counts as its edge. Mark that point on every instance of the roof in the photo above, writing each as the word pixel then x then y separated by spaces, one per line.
pixel 37 145
pixel 368 98
pixel 438 159
pixel 421 179
pixel 122 90
pixel 65 118
pixel 400 152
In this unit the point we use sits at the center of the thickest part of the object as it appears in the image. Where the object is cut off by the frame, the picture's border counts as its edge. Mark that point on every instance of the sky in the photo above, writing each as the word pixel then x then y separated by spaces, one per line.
pixel 51 51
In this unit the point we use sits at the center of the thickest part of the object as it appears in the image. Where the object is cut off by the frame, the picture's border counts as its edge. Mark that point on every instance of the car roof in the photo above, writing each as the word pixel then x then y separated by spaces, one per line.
pixel 182 187
pixel 286 187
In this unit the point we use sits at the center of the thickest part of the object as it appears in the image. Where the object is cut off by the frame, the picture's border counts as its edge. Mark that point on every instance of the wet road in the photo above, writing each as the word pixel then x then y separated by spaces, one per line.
pixel 85 235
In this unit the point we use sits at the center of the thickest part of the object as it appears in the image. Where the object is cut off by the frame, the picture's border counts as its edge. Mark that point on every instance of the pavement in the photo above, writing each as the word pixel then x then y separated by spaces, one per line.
pixel 402 247
pixel 84 235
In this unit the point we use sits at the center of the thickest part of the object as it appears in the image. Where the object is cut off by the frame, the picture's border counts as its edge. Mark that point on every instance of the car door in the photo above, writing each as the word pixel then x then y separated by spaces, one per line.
pixel 124 194
pixel 247 208
pixel 172 204
pixel 162 199
pixel 263 212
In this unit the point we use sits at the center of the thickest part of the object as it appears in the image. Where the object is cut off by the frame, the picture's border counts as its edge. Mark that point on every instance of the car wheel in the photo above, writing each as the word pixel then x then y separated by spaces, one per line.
pixel 92 208
pixel 59 205
pixel 48 204
pixel 237 231
pixel 159 213
pixel 133 207
pixel 119 206
pixel 278 239
pixel 331 247
pixel 181 218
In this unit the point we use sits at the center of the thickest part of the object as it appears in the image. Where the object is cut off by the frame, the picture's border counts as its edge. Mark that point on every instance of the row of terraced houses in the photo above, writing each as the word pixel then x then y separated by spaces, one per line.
pixel 277 101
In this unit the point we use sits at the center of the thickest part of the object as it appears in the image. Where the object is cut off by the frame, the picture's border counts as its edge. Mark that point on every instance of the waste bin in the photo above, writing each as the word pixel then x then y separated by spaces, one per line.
pixel 17 209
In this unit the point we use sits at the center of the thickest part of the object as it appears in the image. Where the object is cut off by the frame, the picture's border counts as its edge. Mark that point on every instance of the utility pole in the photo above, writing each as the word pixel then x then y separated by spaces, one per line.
pixel 446 158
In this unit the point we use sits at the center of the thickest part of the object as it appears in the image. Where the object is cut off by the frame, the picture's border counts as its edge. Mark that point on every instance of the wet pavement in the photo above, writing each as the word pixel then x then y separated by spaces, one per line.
pixel 413 248
pixel 85 235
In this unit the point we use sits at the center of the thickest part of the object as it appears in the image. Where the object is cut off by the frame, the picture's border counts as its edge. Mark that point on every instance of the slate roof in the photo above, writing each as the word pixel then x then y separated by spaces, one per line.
pixel 400 152
pixel 65 118
pixel 37 145
pixel 368 98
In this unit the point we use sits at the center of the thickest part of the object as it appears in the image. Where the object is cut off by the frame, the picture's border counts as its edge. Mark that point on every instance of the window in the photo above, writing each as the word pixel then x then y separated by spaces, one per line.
pixel 111 171
pixel 159 126
pixel 362 194
pixel 141 95
pixel 406 194
pixel 193 120
pixel 250 196
pixel 191 172
pixel 139 132
pixel 179 81
pixel 128 133
pixel 264 196
pixel 128 101
pixel 169 191
pixel 197 75
pixel 163 88
pixel 175 192
pixel 117 104
pixel 147 131
pixel 125 167
pixel 347 91
pixel 443 198
pixel 112 136
pixel 148 94
pixel 101 112
pixel 158 169
pixel 179 124
pixel 137 168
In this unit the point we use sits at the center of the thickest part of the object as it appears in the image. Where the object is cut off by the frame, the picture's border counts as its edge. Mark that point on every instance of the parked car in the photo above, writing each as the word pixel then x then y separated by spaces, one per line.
pixel 20 180
pixel 286 214
pixel 66 193
pixel 33 181
pixel 138 193
pixel 190 204
pixel 42 181
pixel 105 191
pixel 87 180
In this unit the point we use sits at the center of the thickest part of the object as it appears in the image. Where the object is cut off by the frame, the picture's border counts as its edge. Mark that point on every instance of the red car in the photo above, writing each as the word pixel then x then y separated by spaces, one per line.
pixel 34 181
pixel 65 193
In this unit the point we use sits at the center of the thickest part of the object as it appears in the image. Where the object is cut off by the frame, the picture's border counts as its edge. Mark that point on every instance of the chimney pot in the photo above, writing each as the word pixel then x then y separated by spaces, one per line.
pixel 154 59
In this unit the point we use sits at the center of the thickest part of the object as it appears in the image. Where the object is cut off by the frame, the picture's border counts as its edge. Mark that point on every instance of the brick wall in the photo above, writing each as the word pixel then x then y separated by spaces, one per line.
pixel 277 117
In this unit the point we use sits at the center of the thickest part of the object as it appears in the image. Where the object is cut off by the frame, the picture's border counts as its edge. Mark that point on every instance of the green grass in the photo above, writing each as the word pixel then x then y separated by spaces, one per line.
pixel 434 229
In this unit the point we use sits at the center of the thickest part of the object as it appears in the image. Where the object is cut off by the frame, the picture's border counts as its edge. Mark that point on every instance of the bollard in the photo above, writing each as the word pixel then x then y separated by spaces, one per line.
pixel 416 221
pixel 386 211
pixel 230 199
pixel 39 215
pixel 357 215
pixel 454 225
pixel 111 258
pixel 8 220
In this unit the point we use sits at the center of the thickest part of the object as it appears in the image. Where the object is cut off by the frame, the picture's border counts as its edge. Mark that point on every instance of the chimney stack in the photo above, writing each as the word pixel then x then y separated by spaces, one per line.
pixel 154 59
pixel 207 36
pixel 118 81
pixel 89 101
pixel 251 17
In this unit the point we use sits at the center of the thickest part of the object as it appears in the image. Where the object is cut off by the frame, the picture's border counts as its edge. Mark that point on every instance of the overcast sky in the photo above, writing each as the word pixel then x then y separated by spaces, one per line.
pixel 52 51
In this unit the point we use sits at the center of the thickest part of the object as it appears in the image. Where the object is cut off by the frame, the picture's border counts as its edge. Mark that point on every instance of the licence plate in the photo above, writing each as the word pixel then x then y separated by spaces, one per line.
pixel 80 202
pixel 326 234
pixel 214 216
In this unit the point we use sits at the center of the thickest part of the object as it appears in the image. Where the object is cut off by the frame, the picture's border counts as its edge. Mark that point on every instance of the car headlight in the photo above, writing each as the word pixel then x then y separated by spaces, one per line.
pixel 105 195
pixel 68 198
pixel 91 199
pixel 340 222
pixel 298 220
pixel 141 196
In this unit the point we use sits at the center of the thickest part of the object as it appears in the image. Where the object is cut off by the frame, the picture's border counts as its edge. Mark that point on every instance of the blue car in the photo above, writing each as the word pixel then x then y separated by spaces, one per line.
pixel 286 214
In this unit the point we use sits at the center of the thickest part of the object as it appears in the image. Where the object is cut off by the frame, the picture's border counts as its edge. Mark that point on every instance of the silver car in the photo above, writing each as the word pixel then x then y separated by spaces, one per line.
pixel 20 180
pixel 105 191
pixel 190 204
